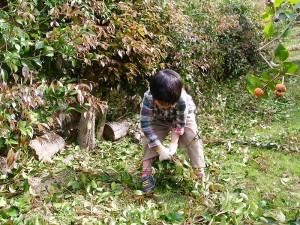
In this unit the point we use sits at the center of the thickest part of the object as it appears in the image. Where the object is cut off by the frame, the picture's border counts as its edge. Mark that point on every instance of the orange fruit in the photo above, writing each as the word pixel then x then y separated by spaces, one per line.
pixel 280 87
pixel 258 92
pixel 278 93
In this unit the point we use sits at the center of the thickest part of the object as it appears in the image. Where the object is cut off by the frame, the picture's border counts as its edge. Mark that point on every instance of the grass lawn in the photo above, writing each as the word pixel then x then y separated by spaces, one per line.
pixel 252 153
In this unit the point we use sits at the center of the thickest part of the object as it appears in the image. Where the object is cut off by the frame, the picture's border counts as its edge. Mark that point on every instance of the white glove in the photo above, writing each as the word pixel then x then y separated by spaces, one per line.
pixel 164 153
pixel 173 148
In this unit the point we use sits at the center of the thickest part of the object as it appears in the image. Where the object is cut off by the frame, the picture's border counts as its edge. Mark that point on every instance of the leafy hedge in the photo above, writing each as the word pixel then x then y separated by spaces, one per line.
pixel 114 42
pixel 117 45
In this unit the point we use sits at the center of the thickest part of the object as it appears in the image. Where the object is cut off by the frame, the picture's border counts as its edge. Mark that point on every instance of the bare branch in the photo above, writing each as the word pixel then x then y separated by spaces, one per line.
pixel 264 58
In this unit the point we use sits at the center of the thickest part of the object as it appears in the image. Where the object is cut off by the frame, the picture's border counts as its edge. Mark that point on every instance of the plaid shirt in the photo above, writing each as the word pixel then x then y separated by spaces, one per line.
pixel 176 114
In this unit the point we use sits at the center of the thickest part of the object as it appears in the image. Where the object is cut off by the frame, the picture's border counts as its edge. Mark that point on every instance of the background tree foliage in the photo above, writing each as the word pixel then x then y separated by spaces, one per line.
pixel 50 48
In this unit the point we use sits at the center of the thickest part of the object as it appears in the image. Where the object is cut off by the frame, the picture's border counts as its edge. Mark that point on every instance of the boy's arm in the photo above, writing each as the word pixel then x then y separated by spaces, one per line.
pixel 146 117
pixel 174 143
pixel 179 128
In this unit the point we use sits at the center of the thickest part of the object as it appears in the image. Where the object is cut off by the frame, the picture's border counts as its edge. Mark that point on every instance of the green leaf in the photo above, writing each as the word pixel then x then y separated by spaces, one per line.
pixel 22 127
pixel 292 1
pixel 195 193
pixel 223 220
pixel 26 62
pixel 83 178
pixel 253 206
pixel 254 80
pixel 12 212
pixel 39 45
pixel 282 16
pixel 289 67
pixel 138 192
pixel 48 51
pixel 266 77
pixel 281 53
pixel 38 62
pixel 4 75
pixel 270 219
pixel 18 220
pixel 290 14
pixel 11 141
pixel 280 216
pixel 1 143
pixel 269 30
pixel 234 220
pixel 113 186
pixel 2 202
pixel 226 204
pixel 26 185
pixel 94 184
pixel 287 32
pixel 251 89
pixel 172 217
pixel 266 16
pixel 278 3
pixel 263 219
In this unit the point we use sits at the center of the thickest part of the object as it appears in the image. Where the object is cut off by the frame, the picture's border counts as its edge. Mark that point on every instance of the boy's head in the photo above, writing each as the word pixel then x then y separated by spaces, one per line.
pixel 165 87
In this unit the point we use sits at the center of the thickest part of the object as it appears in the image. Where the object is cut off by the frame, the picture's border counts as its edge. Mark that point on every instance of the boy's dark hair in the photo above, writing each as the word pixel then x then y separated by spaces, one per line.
pixel 166 86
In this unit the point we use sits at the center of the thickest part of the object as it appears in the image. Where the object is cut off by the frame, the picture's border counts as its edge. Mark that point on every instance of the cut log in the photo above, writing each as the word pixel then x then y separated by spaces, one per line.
pixel 115 130
pixel 47 145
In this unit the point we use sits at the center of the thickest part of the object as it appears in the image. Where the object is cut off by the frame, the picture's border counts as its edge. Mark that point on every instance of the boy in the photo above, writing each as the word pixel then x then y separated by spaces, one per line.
pixel 167 107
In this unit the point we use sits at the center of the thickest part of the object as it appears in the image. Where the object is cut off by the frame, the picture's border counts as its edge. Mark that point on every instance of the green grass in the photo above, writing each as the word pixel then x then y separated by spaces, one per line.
pixel 252 170
pixel 293 45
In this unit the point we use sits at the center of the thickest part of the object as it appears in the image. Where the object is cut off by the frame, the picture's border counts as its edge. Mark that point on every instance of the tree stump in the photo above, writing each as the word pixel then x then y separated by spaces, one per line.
pixel 100 122
pixel 86 129
pixel 87 124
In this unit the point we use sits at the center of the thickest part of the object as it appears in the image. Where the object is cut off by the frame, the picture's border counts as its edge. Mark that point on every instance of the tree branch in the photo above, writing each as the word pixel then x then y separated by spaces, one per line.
pixel 278 37
pixel 264 58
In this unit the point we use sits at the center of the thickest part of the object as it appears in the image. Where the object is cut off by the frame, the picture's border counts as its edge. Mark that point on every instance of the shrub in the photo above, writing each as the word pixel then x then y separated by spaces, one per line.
pixel 28 110
pixel 114 45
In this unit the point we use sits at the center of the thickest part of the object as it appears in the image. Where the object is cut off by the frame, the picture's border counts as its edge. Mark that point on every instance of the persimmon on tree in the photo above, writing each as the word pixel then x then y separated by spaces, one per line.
pixel 258 92
pixel 286 16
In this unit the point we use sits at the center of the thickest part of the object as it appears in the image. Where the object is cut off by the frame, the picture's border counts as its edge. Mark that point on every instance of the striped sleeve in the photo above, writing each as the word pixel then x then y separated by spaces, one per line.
pixel 181 116
pixel 146 118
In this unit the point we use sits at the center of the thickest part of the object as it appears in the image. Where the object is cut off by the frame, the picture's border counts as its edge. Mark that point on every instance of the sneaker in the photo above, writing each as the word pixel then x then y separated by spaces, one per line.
pixel 148 183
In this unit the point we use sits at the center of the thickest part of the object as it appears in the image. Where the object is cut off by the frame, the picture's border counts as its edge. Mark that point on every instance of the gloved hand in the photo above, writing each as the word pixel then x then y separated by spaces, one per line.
pixel 173 148
pixel 164 153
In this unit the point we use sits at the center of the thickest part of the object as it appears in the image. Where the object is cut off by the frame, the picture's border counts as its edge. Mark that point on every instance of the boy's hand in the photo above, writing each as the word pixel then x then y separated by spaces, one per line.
pixel 173 148
pixel 164 153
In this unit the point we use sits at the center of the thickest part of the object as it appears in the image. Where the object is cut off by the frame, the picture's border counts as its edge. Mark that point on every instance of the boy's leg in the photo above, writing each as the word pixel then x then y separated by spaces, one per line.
pixel 161 129
pixel 192 141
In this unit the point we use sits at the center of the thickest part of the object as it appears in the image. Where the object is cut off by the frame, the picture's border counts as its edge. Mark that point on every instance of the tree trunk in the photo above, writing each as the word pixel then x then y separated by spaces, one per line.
pixel 100 121
pixel 86 129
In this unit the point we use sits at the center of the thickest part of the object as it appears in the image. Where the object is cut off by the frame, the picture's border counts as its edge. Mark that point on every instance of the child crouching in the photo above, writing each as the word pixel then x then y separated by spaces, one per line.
pixel 166 107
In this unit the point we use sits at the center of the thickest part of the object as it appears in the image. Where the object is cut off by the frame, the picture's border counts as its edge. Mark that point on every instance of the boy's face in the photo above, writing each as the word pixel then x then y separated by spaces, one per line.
pixel 162 105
